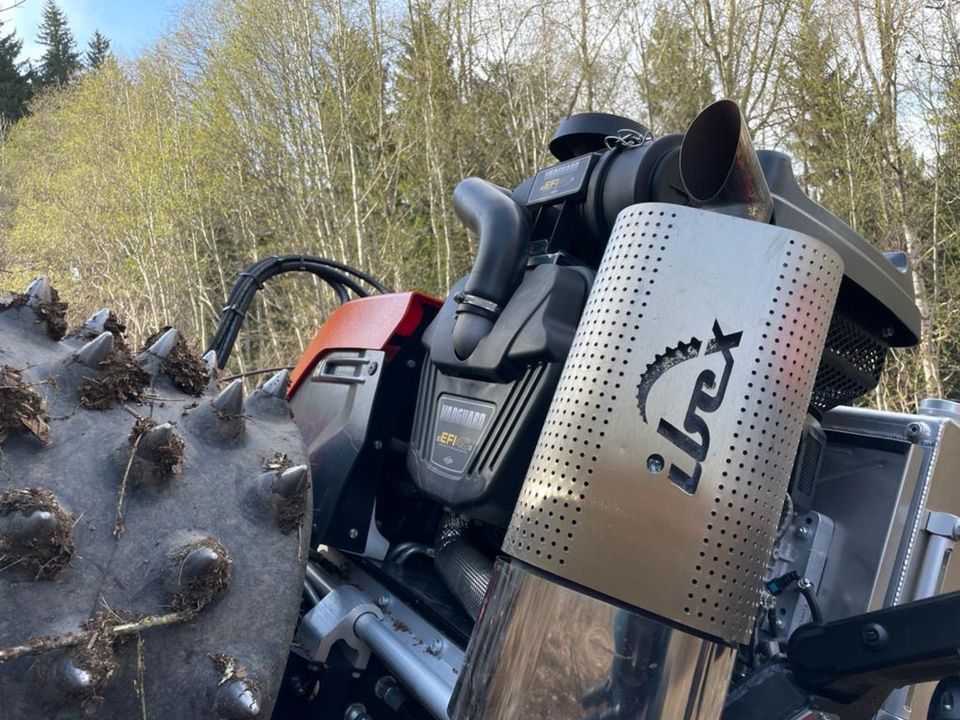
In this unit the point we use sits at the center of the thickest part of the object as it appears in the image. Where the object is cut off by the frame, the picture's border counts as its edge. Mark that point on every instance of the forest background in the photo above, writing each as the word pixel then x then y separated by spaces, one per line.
pixel 340 127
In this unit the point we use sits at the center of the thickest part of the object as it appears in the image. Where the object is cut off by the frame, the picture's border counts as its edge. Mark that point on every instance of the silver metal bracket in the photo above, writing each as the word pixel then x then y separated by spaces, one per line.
pixel 944 524
pixel 333 620
pixel 803 549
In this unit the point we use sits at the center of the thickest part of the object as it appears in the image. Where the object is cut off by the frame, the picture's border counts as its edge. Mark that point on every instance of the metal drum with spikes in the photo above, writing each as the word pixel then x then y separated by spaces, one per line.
pixel 140 523
pixel 661 469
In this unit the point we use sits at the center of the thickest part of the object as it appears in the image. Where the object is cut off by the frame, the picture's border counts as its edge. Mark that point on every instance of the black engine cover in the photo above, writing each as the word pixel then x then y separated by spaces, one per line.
pixel 478 420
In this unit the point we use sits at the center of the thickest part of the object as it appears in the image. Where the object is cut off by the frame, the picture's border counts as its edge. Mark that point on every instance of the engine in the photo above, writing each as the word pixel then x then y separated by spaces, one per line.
pixel 613 474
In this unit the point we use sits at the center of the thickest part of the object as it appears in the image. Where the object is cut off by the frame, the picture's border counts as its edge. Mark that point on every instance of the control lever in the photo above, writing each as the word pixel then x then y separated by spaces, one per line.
pixel 857 662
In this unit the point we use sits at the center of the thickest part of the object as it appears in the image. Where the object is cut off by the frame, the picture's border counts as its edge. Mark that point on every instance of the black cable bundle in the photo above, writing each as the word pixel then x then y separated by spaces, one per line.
pixel 343 279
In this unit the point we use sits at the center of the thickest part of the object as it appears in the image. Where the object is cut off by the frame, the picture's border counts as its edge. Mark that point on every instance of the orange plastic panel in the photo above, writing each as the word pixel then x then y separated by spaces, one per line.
pixel 379 322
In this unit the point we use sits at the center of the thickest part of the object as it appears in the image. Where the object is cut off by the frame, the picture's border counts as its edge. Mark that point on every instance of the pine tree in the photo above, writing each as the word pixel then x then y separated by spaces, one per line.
pixel 60 63
pixel 98 51
pixel 676 83
pixel 15 86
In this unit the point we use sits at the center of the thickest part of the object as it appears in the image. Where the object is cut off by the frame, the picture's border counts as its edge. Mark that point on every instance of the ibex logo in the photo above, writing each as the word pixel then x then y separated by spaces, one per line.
pixel 695 442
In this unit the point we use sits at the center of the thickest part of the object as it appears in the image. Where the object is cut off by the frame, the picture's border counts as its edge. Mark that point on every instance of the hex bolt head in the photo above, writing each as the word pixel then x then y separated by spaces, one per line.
pixel 436 647
pixel 802 532
pixel 354 533
pixel 914 431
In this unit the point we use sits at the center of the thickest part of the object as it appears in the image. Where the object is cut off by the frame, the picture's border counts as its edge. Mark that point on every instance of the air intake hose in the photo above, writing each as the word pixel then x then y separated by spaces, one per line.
pixel 504 229
pixel 464 569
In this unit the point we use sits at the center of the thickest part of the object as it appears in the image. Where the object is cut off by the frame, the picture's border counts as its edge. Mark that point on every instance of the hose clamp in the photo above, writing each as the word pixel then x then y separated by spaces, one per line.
pixel 477 305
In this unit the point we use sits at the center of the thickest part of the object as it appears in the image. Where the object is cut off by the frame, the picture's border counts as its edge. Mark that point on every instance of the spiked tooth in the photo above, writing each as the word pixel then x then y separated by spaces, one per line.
pixel 39 292
pixel 199 572
pixel 198 564
pixel 74 679
pixel 96 351
pixel 98 321
pixel 154 439
pixel 276 386
pixel 290 481
pixel 27 529
pixel 164 344
pixel 237 699
pixel 230 400
pixel 210 360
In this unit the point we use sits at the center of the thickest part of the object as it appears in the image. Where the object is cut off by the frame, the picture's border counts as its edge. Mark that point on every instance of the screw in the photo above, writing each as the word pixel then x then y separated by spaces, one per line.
pixel 914 431
pixel 805 583
pixel 354 533
pixel 801 532
pixel 372 368
pixel 655 463
pixel 377 444
pixel 436 647
pixel 411 364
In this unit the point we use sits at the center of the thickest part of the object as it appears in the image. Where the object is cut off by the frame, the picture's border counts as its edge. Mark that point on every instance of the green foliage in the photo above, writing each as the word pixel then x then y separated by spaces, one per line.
pixel 98 51
pixel 15 79
pixel 60 63
pixel 340 128
pixel 676 79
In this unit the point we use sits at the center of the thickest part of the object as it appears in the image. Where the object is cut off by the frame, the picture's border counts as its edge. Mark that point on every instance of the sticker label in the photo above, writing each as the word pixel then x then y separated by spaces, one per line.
pixel 458 430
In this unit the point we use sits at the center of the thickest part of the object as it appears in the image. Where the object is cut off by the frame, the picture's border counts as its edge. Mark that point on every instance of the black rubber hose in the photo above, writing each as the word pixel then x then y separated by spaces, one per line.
pixel 816 612
pixel 342 279
pixel 464 569
pixel 504 229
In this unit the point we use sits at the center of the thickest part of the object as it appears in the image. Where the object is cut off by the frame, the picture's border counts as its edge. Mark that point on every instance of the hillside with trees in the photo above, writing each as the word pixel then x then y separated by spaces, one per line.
pixel 340 127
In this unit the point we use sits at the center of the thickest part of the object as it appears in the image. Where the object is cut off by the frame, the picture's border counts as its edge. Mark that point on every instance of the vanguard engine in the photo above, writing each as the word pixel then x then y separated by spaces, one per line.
pixel 610 477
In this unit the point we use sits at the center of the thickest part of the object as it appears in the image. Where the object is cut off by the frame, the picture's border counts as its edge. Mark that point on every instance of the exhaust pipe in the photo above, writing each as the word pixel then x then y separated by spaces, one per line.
pixel 504 231
pixel 719 166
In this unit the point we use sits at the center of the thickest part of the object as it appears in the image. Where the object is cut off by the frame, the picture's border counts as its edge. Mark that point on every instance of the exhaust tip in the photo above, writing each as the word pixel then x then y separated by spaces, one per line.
pixel 719 166
pixel 709 149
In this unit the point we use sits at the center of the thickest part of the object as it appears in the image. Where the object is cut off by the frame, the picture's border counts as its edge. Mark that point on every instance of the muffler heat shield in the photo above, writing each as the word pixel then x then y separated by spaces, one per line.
pixel 662 466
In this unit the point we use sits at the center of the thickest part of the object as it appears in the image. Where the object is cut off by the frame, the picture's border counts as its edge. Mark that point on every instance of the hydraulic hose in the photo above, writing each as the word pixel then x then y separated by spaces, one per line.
pixel 464 569
pixel 504 229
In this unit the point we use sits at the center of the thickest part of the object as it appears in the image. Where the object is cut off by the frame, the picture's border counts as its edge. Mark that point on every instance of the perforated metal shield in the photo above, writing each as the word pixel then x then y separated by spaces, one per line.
pixel 661 469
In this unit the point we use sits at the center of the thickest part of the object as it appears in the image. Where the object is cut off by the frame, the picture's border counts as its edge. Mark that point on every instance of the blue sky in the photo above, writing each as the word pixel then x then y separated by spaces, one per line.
pixel 131 25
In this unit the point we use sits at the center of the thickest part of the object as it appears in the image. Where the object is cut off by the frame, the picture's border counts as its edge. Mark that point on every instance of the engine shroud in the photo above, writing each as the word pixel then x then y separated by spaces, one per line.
pixel 659 476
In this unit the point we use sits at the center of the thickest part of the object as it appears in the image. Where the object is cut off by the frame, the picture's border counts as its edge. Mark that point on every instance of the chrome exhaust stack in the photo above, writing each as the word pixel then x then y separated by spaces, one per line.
pixel 638 545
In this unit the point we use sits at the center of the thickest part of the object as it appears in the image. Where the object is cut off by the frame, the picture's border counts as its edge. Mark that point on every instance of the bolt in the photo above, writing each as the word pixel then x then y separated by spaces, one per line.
pixel 914 431
pixel 357 711
pixel 372 368
pixel 354 533
pixel 805 583
pixel 411 364
pixel 779 623
pixel 655 463
pixel 436 647
pixel 383 601
pixel 377 444
pixel 387 690
pixel 801 532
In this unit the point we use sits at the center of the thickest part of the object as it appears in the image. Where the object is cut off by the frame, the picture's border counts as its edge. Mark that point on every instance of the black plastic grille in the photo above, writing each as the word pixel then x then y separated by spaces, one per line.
pixel 851 364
